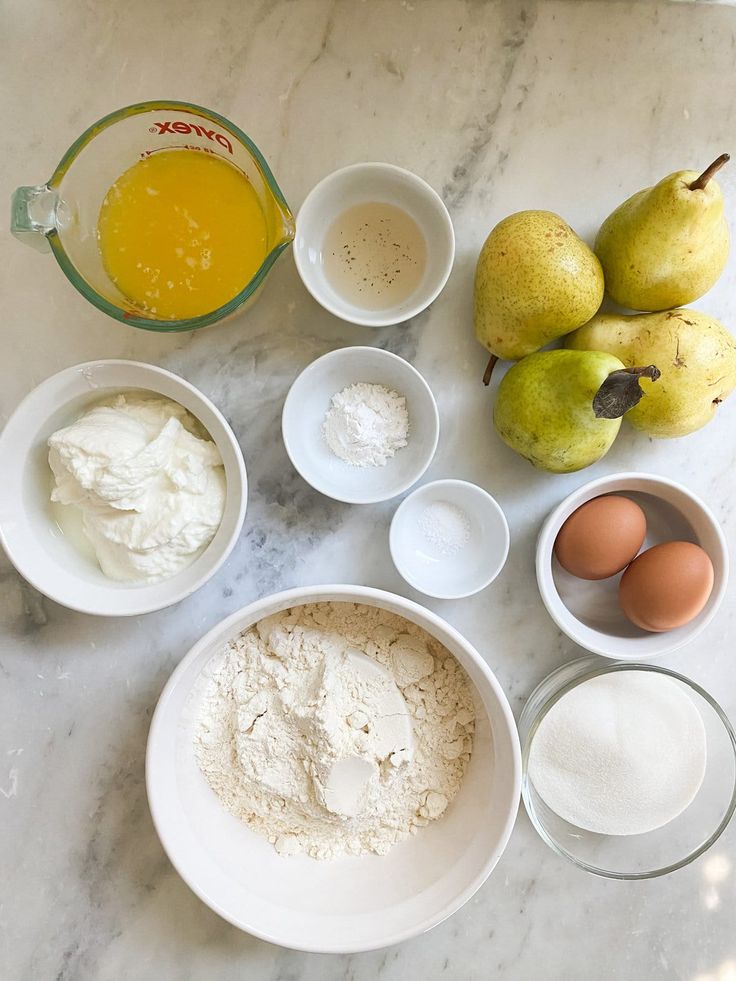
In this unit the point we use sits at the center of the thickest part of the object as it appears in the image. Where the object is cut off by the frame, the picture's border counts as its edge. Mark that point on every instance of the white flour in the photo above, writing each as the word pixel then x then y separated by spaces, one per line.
pixel 325 752
pixel 366 424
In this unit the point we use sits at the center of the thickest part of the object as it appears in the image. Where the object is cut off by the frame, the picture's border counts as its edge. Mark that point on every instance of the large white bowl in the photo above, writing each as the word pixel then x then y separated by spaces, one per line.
pixel 349 904
pixel 589 612
pixel 308 401
pixel 358 184
pixel 28 531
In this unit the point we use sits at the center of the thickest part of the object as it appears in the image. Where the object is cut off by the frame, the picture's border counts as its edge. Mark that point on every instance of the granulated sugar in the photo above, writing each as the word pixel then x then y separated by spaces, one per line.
pixel 622 754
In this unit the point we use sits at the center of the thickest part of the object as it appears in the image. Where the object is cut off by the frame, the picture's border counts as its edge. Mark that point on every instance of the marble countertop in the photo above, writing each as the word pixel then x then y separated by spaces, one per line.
pixel 568 105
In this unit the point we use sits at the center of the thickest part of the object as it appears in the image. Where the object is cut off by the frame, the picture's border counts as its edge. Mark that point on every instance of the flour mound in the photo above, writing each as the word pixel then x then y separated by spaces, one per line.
pixel 284 703
pixel 366 424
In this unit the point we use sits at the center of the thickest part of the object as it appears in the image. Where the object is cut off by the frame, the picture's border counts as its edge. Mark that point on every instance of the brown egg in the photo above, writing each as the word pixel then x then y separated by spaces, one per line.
pixel 601 537
pixel 666 586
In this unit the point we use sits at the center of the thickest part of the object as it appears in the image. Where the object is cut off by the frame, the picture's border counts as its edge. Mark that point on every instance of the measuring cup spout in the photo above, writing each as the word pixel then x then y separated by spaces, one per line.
pixel 288 226
pixel 33 215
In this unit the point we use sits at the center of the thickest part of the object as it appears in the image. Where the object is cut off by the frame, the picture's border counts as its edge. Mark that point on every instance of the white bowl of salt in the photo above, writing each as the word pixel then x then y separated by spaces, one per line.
pixel 449 539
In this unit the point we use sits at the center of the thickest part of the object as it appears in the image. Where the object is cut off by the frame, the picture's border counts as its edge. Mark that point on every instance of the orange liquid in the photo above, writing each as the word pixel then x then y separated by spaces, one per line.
pixel 181 233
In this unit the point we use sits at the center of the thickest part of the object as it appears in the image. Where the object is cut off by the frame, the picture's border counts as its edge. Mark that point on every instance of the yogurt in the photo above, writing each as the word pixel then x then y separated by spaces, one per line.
pixel 150 491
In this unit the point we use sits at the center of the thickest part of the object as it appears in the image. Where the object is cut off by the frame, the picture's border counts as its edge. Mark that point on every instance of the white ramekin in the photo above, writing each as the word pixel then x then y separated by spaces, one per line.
pixel 385 183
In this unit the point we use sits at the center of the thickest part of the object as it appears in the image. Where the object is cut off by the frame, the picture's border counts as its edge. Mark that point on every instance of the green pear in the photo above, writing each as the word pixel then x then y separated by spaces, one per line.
pixel 668 244
pixel 535 281
pixel 561 409
pixel 696 356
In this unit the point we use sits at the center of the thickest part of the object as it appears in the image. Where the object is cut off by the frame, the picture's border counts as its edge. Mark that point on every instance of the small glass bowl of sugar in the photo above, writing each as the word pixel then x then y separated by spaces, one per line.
pixel 629 770
pixel 449 539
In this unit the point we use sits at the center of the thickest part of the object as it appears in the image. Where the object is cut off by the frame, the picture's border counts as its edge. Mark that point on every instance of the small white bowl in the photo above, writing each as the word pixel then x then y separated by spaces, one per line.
pixel 359 184
pixel 588 612
pixel 431 566
pixel 308 401
pixel 28 531
pixel 353 903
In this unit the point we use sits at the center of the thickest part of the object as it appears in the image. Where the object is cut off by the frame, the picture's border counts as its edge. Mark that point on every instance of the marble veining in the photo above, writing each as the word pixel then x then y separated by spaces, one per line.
pixel 568 105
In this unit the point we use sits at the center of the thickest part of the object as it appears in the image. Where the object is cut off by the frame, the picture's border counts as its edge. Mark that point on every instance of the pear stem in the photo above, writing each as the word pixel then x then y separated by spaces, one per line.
pixel 489 369
pixel 621 391
pixel 699 184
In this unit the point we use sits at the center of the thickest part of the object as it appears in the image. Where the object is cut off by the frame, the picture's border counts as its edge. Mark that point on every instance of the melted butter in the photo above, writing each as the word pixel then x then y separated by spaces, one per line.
pixel 181 233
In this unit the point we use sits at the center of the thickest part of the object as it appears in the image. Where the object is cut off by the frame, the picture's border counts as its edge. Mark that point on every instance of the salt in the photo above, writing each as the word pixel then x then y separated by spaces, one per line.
pixel 621 754
pixel 445 526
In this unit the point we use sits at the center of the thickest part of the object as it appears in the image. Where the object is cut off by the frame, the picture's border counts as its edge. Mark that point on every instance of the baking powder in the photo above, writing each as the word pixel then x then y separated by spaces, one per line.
pixel 366 424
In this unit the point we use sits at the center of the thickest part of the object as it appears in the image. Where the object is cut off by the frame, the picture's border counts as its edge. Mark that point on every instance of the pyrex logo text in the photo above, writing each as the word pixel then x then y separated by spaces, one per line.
pixel 185 128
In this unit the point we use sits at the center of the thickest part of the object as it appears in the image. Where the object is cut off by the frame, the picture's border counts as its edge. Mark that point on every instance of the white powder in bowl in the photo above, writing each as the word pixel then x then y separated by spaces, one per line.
pixel 335 728
pixel 621 754
pixel 366 424
pixel 445 526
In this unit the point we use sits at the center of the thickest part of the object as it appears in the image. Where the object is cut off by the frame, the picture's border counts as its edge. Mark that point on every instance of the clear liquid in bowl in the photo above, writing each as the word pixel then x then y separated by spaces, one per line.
pixel 374 255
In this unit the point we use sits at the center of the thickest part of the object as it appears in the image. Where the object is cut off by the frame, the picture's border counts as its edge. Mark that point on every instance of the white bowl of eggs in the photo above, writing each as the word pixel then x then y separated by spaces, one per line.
pixel 632 566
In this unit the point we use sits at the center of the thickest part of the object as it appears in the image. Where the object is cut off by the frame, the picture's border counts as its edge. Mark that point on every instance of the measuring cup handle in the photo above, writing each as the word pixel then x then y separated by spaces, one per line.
pixel 33 215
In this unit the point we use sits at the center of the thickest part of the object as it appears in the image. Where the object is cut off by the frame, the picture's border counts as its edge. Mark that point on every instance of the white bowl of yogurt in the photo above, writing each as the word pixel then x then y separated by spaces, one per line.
pixel 155 546
pixel 347 902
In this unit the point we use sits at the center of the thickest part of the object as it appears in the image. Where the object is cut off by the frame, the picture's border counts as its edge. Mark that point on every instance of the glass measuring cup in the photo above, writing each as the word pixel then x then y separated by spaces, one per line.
pixel 61 215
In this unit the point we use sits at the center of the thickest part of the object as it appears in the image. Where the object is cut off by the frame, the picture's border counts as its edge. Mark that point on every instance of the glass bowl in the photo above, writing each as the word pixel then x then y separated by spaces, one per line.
pixel 654 853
